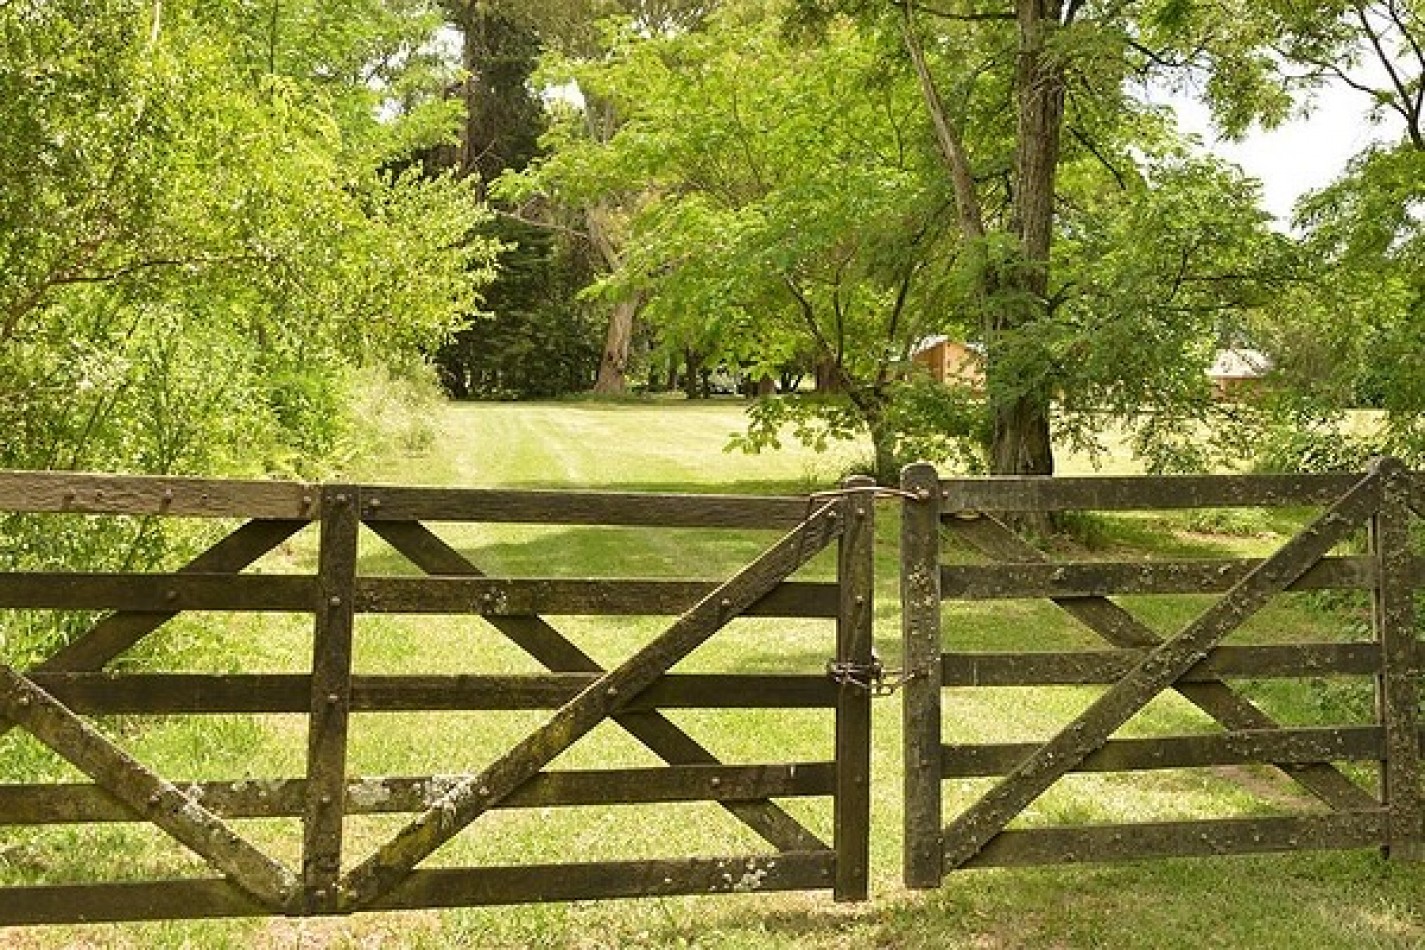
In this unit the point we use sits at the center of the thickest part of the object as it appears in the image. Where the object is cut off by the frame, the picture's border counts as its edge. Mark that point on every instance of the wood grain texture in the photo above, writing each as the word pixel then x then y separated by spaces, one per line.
pixel 83 493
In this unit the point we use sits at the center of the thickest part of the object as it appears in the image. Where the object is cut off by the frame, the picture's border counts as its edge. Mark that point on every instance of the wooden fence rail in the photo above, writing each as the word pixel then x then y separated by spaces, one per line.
pixel 51 700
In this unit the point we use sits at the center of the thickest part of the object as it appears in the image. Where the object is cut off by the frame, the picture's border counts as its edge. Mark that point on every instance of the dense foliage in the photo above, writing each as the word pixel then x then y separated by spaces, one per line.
pixel 203 240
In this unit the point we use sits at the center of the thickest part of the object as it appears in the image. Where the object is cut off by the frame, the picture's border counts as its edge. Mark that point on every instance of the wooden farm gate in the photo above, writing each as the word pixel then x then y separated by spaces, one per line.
pixel 1142 663
pixel 51 699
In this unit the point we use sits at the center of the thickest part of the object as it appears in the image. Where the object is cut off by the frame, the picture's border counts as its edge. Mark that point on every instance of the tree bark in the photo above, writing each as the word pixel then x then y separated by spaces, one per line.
pixel 1021 442
pixel 613 366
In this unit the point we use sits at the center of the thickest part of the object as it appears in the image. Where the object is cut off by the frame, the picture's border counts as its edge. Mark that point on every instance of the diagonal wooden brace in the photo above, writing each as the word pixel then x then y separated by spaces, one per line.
pixel 979 824
pixel 146 794
pixel 386 868
pixel 1229 708
pixel 544 643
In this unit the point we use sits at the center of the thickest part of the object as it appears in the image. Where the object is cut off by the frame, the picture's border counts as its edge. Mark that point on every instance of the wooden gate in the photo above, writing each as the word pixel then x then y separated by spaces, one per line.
pixel 1194 662
pixel 51 699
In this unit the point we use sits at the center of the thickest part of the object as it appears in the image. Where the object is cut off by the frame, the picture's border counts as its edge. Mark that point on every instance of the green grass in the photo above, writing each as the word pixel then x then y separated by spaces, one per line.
pixel 1350 900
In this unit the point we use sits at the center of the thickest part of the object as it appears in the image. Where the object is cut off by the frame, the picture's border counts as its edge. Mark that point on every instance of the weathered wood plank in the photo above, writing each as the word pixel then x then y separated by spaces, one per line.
pixel 157 593
pixel 84 493
pixel 921 695
pixel 633 509
pixel 1398 686
pixel 125 901
pixel 146 795
pixel 118 633
pixel 393 861
pixel 1087 667
pixel 472 887
pixel 993 495
pixel 329 700
pixel 851 811
pixel 548 646
pixel 1122 629
pixel 987 817
pixel 1277 746
pixel 286 798
pixel 1136 842
pixel 221 693
pixel 572 596
pixel 1105 579
pixel 447 887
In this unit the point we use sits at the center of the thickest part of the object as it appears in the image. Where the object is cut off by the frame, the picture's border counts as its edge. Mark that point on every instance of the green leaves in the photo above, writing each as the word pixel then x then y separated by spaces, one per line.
pixel 199 205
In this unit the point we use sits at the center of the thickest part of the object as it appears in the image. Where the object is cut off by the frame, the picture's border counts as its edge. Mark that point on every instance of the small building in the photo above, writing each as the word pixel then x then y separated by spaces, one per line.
pixel 1237 371
pixel 951 361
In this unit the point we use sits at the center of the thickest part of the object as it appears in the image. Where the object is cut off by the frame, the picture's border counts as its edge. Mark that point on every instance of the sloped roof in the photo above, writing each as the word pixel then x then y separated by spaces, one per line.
pixel 1240 363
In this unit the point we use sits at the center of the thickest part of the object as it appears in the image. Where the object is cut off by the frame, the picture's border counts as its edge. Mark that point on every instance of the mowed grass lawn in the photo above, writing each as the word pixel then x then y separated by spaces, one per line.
pixel 1354 899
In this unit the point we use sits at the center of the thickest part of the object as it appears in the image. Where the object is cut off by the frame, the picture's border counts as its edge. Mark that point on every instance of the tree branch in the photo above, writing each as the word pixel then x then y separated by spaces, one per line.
pixel 1412 117
pixel 947 137
pixel 1083 139
pixel 1400 17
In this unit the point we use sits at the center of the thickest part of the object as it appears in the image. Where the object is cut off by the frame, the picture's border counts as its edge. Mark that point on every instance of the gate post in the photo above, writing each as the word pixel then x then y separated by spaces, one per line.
pixel 856 571
pixel 1393 616
pixel 330 697
pixel 920 707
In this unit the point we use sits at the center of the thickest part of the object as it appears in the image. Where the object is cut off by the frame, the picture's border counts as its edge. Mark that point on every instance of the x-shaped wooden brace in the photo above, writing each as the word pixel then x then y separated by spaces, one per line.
pixel 603 699
pixel 548 646
pixel 1160 670
pixel 145 793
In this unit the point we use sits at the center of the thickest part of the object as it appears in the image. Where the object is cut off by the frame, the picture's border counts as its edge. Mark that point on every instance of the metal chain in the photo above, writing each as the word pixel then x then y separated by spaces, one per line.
pixel 872 677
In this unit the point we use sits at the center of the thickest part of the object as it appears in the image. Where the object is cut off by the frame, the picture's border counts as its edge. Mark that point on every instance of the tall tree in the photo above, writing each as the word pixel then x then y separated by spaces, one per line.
pixel 573 31
pixel 1064 72
pixel 792 203
pixel 530 337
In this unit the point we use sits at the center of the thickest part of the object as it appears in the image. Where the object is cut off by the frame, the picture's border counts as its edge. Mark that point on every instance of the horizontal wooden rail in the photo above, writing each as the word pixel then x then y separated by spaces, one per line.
pixel 472 887
pixel 1171 839
pixel 445 887
pixel 56 492
pixel 113 902
pixel 1117 578
pixel 158 592
pixel 80 493
pixel 1136 493
pixel 630 509
pixel 284 798
pixel 1273 746
pixel 552 597
pixel 199 693
pixel 1093 667
pixel 391 595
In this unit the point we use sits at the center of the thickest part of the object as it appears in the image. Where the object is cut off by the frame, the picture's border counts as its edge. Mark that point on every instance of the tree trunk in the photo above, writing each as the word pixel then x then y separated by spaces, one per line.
pixel 1021 436
pixel 1019 443
pixel 613 367
pixel 693 374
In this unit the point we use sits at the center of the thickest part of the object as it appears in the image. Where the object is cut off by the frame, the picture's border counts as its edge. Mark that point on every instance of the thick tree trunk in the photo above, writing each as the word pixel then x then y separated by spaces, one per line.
pixel 613 367
pixel 1021 436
